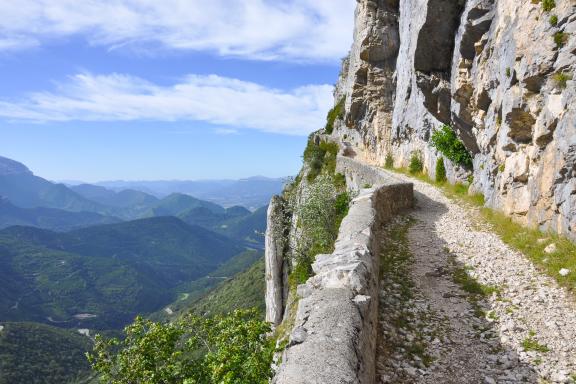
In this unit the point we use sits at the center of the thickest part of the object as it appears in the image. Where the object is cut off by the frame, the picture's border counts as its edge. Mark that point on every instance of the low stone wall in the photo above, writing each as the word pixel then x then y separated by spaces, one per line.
pixel 334 336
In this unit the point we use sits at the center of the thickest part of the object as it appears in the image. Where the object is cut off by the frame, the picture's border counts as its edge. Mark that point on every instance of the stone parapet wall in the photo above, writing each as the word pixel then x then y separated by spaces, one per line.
pixel 334 336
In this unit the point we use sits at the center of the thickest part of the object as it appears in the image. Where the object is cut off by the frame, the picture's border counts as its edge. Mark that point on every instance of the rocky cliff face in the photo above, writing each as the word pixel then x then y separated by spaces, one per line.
pixel 499 72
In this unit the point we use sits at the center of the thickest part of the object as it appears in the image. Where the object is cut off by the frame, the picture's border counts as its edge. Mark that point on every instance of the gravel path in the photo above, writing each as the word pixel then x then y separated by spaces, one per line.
pixel 459 306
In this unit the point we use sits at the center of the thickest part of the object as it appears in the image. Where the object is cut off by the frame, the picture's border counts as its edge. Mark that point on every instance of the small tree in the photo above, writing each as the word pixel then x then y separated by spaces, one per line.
pixel 416 164
pixel 193 350
pixel 389 162
pixel 440 170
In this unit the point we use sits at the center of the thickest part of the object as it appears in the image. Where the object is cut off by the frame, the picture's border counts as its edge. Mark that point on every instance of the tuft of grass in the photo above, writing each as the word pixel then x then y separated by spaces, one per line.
pixel 508 72
pixel 548 5
pixel 531 344
pixel 469 284
pixel 526 240
pixel 560 38
pixel 553 20
pixel 561 79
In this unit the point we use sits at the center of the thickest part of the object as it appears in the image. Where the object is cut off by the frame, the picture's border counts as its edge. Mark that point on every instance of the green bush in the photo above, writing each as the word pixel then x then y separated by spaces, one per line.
pixel 440 170
pixel 389 162
pixel 548 5
pixel 319 157
pixel 416 164
pixel 221 349
pixel 319 219
pixel 508 72
pixel 447 143
pixel 561 79
pixel 335 113
pixel 560 38
pixel 553 20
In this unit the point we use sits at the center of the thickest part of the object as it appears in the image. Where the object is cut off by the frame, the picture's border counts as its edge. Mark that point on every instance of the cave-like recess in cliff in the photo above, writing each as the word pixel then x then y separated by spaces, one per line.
pixel 435 46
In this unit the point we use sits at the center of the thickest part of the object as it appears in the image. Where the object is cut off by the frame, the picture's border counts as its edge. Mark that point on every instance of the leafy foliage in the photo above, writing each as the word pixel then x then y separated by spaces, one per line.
pixel 193 350
pixel 320 157
pixel 37 353
pixel 447 143
pixel 335 113
pixel 416 165
pixel 440 170
pixel 319 218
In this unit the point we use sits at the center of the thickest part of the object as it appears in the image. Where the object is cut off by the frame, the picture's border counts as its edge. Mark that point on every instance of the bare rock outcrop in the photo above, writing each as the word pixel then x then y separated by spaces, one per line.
pixel 499 72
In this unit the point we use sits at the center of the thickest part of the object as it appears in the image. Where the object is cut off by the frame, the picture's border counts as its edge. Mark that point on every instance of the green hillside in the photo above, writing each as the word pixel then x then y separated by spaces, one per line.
pixel 29 191
pixel 191 292
pixel 39 354
pixel 101 277
pixel 49 218
pixel 245 290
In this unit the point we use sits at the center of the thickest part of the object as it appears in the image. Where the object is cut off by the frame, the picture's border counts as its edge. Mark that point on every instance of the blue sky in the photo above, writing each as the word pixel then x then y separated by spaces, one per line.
pixel 142 89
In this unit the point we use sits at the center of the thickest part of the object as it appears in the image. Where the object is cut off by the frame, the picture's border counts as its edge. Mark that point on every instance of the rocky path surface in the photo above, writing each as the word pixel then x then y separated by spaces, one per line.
pixel 460 306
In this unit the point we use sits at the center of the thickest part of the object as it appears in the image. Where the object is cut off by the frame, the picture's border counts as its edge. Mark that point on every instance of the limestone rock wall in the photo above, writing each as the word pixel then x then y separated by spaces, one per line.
pixel 489 69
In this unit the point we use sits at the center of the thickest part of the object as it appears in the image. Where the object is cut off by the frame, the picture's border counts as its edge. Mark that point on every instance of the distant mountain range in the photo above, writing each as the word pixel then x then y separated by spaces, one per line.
pixel 26 199
pixel 75 257
pixel 252 193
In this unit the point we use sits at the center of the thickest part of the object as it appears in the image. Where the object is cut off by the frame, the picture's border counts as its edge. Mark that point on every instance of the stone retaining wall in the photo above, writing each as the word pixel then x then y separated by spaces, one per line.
pixel 334 336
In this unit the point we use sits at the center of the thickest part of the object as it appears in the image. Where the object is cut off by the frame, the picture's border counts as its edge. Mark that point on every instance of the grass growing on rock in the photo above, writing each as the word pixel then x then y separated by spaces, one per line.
pixel 529 241
pixel 531 344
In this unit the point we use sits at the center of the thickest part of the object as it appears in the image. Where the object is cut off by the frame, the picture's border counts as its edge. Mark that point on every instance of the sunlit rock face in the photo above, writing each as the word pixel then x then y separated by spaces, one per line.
pixel 489 69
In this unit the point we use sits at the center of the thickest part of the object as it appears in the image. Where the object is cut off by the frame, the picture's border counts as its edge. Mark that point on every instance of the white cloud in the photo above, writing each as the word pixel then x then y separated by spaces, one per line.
pixel 257 29
pixel 212 99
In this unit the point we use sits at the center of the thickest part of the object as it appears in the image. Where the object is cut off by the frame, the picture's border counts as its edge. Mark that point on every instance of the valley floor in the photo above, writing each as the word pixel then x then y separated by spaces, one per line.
pixel 460 306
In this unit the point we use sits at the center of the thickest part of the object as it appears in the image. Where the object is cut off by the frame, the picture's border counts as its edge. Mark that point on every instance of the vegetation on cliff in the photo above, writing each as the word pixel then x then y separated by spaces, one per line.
pixel 222 349
pixel 323 205
pixel 447 142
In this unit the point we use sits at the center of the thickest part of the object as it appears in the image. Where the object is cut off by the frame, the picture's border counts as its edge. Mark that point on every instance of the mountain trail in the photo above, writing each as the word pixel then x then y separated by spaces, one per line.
pixel 460 306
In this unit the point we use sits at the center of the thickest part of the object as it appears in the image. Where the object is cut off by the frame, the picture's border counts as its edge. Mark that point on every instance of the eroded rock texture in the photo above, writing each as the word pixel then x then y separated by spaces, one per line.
pixel 488 68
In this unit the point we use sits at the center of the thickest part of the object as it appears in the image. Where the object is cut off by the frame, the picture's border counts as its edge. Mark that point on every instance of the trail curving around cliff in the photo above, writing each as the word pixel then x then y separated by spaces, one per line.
pixel 457 305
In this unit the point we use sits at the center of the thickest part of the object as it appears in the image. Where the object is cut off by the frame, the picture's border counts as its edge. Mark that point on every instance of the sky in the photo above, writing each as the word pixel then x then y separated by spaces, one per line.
pixel 98 90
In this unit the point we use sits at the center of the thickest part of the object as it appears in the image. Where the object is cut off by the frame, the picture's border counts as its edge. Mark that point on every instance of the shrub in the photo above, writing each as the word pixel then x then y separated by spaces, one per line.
pixel 508 72
pixel 389 162
pixel 416 164
pixel 548 5
pixel 561 78
pixel 440 170
pixel 447 143
pixel 335 113
pixel 222 349
pixel 553 20
pixel 319 218
pixel 319 157
pixel 560 38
